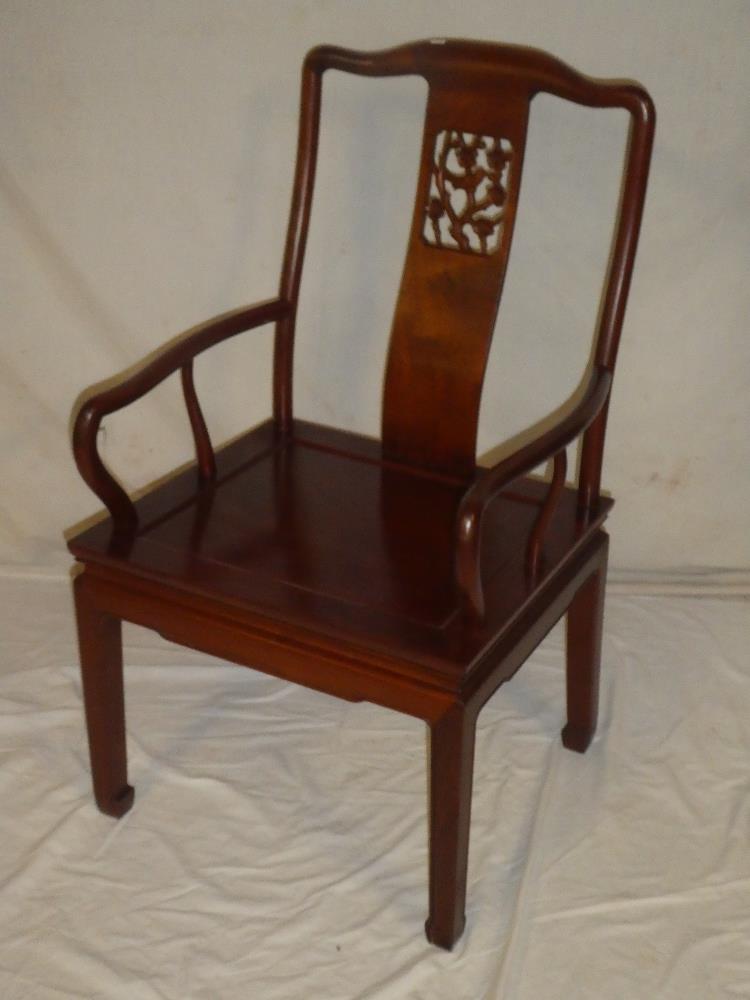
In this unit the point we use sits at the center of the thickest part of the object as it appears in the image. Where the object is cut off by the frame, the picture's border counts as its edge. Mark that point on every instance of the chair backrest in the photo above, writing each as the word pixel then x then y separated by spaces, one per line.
pixel 467 194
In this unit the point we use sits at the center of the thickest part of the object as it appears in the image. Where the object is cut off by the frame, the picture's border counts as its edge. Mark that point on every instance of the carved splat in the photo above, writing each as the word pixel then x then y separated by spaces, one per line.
pixel 447 305
pixel 468 190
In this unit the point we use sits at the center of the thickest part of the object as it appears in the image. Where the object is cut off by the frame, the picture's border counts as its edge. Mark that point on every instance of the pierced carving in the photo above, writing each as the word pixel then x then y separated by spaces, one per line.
pixel 468 190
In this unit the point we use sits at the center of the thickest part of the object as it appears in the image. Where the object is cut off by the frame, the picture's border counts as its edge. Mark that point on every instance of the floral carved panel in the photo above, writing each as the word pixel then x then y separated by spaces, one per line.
pixel 468 190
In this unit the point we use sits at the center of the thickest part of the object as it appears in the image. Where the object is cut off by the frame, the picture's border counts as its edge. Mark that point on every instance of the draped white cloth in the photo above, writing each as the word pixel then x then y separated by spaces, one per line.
pixel 277 846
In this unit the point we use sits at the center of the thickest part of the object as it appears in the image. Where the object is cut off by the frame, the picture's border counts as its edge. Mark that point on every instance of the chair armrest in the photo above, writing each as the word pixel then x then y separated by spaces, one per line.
pixel 495 479
pixel 174 356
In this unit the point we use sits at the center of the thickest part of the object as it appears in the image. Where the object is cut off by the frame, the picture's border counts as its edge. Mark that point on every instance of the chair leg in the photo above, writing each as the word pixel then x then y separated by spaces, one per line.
pixel 100 648
pixel 584 644
pixel 451 768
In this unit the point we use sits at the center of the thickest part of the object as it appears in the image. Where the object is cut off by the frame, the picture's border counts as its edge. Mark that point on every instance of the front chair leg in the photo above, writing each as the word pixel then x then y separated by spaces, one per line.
pixel 100 648
pixel 451 767
pixel 584 647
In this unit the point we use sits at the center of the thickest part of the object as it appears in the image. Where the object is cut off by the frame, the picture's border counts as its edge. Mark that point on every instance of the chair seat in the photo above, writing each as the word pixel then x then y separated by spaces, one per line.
pixel 319 533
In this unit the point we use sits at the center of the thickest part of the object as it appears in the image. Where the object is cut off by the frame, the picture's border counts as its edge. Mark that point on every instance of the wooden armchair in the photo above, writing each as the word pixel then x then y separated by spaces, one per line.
pixel 394 571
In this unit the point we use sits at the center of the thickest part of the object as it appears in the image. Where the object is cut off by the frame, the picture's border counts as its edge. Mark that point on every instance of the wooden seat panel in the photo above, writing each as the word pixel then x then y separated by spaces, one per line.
pixel 319 530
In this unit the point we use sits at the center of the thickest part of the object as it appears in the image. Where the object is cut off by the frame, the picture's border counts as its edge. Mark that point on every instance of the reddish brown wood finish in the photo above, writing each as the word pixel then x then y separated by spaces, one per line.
pixel 100 644
pixel 392 571
pixel 451 772
pixel 584 650
pixel 448 299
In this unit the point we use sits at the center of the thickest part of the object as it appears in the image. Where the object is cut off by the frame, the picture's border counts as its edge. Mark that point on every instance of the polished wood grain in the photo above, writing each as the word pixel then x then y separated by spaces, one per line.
pixel 319 530
pixel 584 650
pixel 452 739
pixel 395 570
pixel 100 644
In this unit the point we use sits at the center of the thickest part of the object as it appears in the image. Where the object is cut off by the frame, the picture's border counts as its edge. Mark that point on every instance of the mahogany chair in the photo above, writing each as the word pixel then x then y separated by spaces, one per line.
pixel 394 571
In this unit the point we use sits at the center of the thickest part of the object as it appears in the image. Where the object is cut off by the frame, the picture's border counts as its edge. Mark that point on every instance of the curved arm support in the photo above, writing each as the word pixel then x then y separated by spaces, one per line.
pixel 498 477
pixel 536 541
pixel 176 356
pixel 204 450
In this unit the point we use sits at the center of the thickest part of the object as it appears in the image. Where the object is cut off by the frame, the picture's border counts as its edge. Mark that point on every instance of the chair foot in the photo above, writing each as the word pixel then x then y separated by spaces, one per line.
pixel 117 805
pixel 441 940
pixel 577 738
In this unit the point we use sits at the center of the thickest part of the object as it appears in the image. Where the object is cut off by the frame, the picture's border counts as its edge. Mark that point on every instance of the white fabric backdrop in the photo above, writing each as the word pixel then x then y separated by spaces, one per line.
pixel 277 845
pixel 145 173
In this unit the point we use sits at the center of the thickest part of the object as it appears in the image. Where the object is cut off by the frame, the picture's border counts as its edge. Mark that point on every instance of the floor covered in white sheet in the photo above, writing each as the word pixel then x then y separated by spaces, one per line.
pixel 277 846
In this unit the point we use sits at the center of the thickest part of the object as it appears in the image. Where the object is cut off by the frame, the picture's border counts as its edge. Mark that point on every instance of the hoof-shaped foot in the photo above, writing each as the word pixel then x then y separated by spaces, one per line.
pixel 577 738
pixel 119 804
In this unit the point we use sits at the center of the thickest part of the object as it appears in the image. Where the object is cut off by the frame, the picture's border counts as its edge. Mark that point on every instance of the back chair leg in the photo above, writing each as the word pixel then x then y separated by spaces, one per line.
pixel 584 646
pixel 100 647
pixel 451 769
